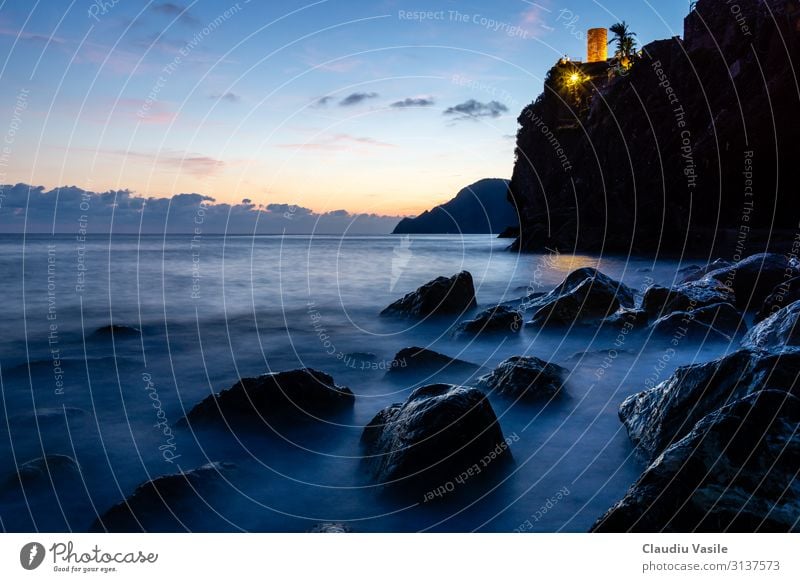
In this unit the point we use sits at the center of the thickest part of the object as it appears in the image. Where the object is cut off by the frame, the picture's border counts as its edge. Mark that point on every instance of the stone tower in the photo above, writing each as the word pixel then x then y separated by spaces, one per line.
pixel 597 45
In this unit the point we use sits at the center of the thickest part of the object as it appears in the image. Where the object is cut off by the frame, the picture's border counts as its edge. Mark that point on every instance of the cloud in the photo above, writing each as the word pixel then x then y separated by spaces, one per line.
pixel 171 9
pixel 413 102
pixel 337 142
pixel 356 98
pixel 473 109
pixel 123 212
pixel 169 160
pixel 229 97
pixel 323 101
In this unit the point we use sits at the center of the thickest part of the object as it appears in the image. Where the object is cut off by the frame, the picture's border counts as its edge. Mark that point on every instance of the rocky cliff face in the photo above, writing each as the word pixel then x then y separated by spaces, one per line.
pixel 697 146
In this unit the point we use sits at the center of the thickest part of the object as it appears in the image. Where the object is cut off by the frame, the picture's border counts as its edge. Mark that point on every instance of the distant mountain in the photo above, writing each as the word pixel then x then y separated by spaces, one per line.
pixel 481 208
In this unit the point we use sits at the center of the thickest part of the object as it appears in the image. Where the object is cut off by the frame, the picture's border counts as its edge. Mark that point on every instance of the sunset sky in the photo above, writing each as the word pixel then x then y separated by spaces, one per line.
pixel 355 105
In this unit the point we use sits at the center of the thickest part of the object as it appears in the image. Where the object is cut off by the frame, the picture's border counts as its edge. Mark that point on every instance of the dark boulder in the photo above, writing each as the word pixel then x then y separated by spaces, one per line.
pixel 734 471
pixel 719 322
pixel 165 503
pixel 662 415
pixel 779 332
pixel 784 294
pixel 499 319
pixel 422 362
pixel 297 394
pixel 585 296
pixel 659 301
pixel 524 378
pixel 439 432
pixel 442 296
pixel 753 279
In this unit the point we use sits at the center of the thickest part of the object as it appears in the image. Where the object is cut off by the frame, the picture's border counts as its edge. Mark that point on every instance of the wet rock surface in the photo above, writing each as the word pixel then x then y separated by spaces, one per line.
pixel 734 471
pixel 303 394
pixel 440 431
pixel 442 296
pixel 500 319
pixel 525 378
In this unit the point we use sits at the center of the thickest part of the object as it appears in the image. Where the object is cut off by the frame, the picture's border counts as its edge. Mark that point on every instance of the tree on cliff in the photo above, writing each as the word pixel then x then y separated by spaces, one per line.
pixel 625 41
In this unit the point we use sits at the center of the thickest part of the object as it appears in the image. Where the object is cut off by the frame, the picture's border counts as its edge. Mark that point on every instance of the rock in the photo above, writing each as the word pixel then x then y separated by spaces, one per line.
pixel 753 279
pixel 117 331
pixel 330 528
pixel 40 471
pixel 170 498
pixel 664 414
pixel 659 301
pixel 439 432
pixel 719 322
pixel 585 296
pixel 680 326
pixel 417 362
pixel 695 273
pixel 735 471
pixel 442 296
pixel 499 319
pixel 778 332
pixel 784 294
pixel 524 378
pixel 297 394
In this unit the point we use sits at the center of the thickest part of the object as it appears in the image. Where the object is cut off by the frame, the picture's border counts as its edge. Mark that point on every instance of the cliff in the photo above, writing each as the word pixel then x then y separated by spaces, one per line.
pixel 694 147
pixel 481 208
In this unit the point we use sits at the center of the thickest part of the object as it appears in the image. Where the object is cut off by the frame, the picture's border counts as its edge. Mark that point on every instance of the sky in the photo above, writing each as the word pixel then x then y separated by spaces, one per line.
pixel 375 108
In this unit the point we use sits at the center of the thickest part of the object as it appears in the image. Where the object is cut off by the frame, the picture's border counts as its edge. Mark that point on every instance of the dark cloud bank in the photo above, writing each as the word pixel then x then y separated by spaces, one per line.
pixel 127 213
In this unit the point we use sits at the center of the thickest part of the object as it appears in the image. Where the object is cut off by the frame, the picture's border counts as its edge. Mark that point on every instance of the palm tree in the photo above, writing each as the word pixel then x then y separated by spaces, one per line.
pixel 625 41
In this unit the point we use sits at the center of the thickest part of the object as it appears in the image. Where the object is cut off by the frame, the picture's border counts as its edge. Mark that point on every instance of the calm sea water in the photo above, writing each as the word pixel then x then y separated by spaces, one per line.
pixel 215 309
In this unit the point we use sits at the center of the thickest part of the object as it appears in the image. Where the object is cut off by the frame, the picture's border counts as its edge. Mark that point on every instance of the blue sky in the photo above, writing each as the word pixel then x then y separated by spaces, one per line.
pixel 356 105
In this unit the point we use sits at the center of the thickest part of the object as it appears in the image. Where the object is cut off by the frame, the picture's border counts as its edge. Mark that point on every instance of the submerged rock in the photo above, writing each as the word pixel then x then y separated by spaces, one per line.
pixel 585 296
pixel 116 330
pixel 416 362
pixel 330 528
pixel 439 432
pixel 170 498
pixel 41 471
pixel 297 394
pixel 664 414
pixel 753 279
pixel 734 471
pixel 781 296
pixel 500 319
pixel 525 378
pixel 442 296
pixel 779 332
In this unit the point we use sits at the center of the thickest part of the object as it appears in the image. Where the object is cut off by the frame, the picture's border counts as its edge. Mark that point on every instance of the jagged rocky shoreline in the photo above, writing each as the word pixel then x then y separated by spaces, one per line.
pixel 719 440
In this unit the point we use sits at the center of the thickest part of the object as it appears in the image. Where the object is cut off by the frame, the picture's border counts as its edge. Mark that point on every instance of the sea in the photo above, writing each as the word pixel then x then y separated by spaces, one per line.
pixel 194 314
